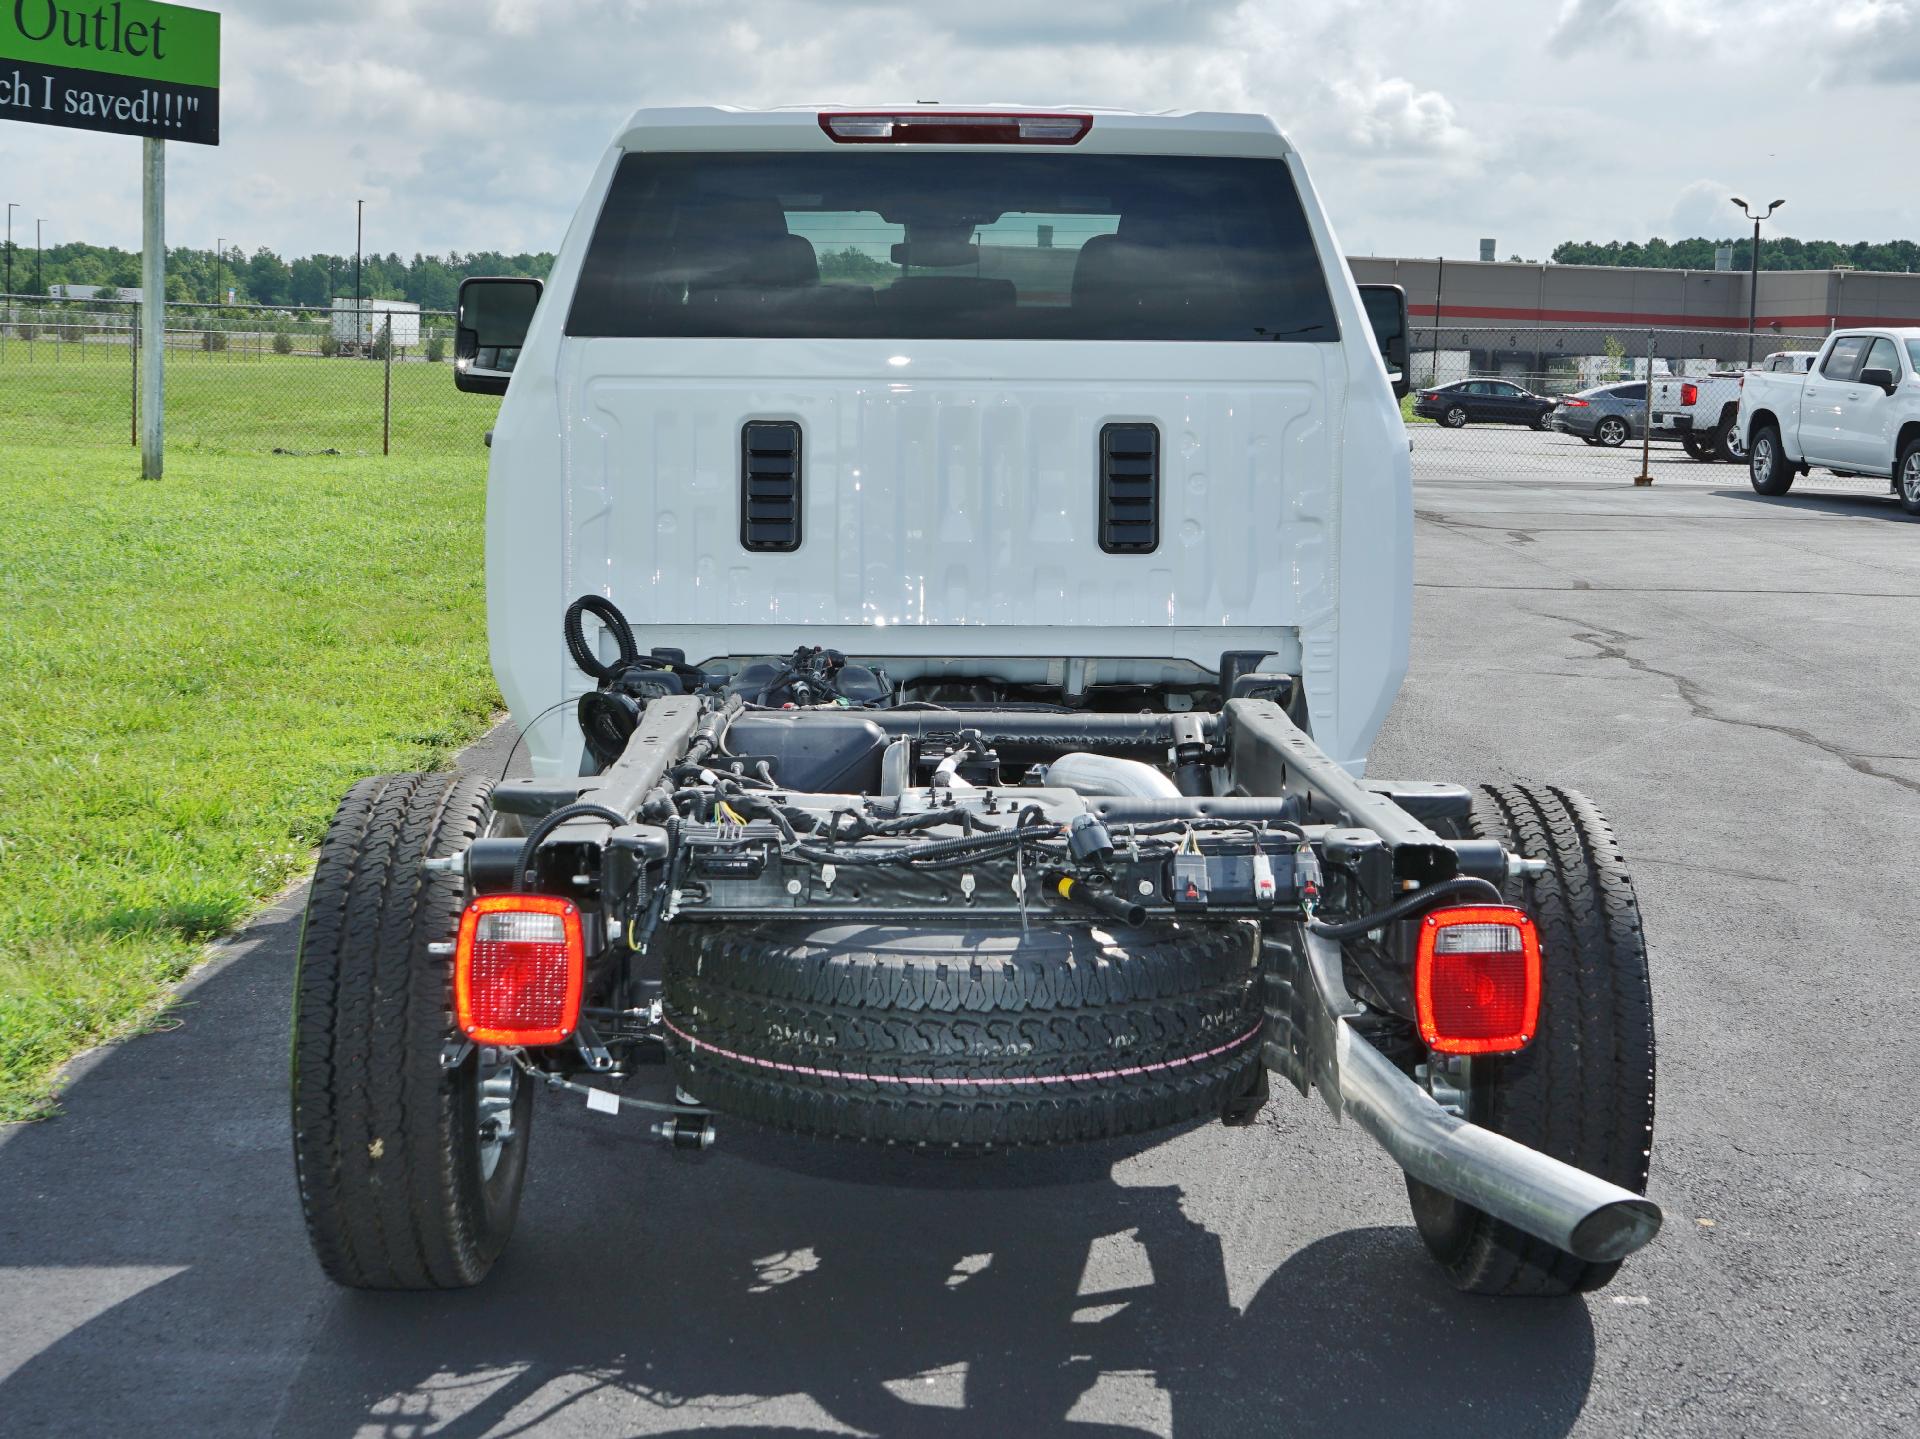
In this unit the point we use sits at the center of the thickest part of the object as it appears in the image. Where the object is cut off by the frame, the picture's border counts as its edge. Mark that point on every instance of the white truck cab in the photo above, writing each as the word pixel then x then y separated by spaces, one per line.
pixel 1033 400
pixel 1855 410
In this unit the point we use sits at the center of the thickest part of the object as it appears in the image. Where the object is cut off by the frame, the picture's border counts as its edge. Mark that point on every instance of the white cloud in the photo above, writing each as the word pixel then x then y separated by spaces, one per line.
pixel 1878 40
pixel 1703 208
pixel 1391 115
pixel 1637 25
pixel 1839 40
pixel 1592 24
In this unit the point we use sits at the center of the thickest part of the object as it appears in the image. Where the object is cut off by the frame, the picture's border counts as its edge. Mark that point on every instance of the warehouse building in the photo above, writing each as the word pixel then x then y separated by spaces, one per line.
pixel 1516 318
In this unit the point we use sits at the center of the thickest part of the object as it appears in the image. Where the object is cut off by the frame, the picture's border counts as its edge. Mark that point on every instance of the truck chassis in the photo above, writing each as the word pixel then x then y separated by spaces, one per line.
pixel 962 927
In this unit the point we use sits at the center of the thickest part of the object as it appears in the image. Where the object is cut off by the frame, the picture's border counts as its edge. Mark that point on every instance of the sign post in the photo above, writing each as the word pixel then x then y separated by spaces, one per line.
pixel 153 307
pixel 127 67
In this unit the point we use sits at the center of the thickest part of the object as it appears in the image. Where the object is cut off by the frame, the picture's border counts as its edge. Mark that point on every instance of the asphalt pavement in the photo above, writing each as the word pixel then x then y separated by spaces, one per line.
pixel 1731 678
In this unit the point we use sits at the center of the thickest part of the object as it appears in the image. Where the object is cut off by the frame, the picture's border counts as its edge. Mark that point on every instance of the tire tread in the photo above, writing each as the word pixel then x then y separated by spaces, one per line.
pixel 1583 1092
pixel 376 1122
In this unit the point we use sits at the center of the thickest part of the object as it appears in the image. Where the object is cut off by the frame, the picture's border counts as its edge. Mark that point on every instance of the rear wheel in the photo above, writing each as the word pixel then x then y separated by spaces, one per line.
pixel 1701 447
pixel 1726 441
pixel 409 1173
pixel 1455 417
pixel 1907 477
pixel 1611 432
pixel 1767 466
pixel 1583 1090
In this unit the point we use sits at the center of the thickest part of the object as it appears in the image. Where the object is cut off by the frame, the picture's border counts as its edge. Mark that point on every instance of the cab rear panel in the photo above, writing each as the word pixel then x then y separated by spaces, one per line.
pixel 950 416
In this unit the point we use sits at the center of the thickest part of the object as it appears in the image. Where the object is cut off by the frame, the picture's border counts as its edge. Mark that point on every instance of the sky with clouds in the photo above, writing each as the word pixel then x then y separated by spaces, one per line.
pixel 474 124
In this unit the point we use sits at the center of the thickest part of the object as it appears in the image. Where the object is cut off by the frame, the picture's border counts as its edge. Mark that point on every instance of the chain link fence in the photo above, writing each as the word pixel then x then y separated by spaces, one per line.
pixel 373 379
pixel 1574 404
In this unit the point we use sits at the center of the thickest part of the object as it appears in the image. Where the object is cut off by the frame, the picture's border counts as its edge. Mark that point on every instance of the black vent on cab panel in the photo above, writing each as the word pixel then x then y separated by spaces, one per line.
pixel 770 485
pixel 1129 489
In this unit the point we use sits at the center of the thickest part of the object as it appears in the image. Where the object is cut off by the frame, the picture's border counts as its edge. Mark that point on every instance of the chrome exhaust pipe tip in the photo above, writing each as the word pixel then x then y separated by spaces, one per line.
pixel 1588 1217
pixel 1615 1230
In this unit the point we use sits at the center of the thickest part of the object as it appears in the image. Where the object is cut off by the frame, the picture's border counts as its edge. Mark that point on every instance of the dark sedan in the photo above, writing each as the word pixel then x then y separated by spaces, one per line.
pixel 1607 415
pixel 1497 402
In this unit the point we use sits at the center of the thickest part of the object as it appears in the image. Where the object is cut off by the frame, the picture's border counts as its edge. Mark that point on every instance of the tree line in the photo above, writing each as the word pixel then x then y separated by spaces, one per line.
pixel 433 281
pixel 264 278
pixel 1782 253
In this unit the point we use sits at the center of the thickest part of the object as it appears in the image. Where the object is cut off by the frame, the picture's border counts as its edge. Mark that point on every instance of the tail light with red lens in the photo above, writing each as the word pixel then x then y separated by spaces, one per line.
pixel 1689 394
pixel 518 966
pixel 1574 404
pixel 945 127
pixel 1476 986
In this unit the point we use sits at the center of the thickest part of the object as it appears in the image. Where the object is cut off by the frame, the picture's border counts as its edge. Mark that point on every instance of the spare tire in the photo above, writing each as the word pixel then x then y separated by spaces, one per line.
pixel 964 1038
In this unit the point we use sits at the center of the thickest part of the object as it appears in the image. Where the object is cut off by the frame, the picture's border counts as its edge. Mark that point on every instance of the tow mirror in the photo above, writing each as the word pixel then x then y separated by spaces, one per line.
pixel 493 322
pixel 1387 312
pixel 1885 379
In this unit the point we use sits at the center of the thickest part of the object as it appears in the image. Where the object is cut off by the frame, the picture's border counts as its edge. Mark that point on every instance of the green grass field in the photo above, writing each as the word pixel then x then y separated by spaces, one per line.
pixel 58 394
pixel 191 674
pixel 81 394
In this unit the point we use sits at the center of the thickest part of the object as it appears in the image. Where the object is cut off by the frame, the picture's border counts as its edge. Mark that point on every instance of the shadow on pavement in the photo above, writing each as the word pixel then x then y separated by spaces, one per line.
pixel 154 1277
pixel 1849 504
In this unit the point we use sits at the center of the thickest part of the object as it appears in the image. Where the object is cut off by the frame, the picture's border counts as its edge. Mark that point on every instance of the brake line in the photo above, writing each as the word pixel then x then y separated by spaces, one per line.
pixel 1408 906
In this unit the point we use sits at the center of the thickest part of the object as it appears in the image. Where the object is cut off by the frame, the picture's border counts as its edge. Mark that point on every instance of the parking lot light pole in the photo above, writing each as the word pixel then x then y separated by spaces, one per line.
pixel 1753 258
pixel 12 205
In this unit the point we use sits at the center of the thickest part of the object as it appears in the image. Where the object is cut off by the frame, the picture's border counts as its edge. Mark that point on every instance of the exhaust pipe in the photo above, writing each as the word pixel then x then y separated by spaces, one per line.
pixel 1570 1209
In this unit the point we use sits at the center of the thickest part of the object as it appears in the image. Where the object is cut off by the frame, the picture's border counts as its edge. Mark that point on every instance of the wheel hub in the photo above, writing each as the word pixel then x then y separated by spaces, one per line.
pixel 499 1086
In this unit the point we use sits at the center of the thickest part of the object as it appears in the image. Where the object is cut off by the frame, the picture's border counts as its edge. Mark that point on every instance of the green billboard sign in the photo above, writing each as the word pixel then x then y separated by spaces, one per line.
pixel 129 67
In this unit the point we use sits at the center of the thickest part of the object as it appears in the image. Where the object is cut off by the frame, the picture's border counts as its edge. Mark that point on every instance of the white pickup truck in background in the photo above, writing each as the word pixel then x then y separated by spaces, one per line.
pixel 1707 419
pixel 1857 410
pixel 1791 362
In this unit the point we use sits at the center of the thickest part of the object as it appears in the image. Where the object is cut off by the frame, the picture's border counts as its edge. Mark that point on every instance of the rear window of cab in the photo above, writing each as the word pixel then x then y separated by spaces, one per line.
pixel 953 245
